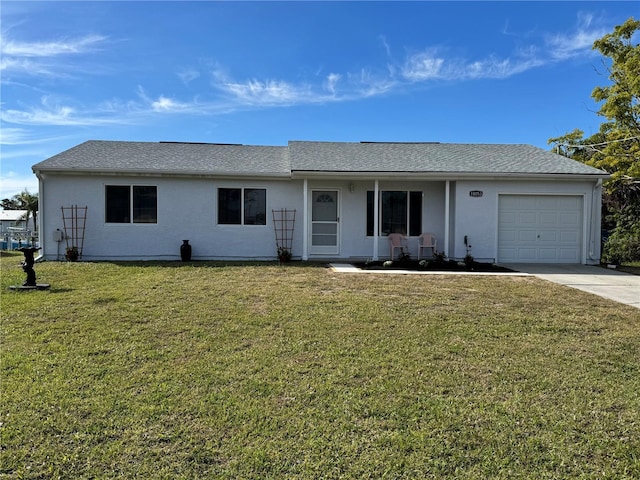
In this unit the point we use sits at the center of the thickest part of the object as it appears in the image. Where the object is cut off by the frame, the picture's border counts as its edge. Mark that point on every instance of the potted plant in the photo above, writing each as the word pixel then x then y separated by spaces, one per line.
pixel 404 258
pixel 468 261
pixel 72 254
pixel 284 254
pixel 439 258
pixel 468 258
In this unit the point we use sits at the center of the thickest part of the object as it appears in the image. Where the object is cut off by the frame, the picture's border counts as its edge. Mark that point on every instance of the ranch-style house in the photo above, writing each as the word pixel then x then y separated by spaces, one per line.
pixel 120 200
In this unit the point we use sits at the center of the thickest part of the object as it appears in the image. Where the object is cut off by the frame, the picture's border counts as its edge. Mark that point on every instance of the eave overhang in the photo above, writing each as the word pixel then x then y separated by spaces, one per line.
pixel 160 173
pixel 315 174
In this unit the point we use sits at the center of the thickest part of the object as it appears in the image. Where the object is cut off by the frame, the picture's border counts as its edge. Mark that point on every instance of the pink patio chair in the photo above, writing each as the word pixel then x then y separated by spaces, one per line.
pixel 397 241
pixel 427 240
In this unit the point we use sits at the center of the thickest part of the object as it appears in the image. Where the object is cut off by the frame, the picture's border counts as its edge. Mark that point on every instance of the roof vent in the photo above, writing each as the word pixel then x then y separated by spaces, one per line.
pixel 405 143
pixel 203 143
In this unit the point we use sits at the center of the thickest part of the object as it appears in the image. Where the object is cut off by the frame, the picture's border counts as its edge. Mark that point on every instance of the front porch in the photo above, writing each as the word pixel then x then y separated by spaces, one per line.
pixel 352 219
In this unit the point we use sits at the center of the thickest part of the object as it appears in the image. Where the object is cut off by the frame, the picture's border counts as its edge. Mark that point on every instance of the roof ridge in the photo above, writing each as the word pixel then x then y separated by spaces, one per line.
pixel 402 143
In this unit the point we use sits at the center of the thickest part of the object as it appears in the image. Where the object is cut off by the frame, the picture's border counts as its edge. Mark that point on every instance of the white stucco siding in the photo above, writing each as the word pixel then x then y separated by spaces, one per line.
pixel 186 209
pixel 478 217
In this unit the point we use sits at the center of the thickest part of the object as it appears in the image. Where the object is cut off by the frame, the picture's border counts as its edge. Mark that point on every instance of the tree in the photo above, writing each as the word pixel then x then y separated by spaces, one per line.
pixel 9 204
pixel 616 147
pixel 24 201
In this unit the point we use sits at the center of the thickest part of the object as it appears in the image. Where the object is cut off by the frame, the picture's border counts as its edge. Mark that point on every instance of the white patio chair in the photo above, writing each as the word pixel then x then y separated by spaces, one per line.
pixel 397 241
pixel 426 241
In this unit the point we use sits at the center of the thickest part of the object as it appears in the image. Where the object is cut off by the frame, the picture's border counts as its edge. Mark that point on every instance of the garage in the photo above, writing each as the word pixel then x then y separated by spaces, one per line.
pixel 540 228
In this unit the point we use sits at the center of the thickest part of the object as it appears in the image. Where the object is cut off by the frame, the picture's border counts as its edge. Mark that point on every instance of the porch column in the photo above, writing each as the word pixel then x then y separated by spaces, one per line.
pixel 595 250
pixel 447 193
pixel 375 221
pixel 305 226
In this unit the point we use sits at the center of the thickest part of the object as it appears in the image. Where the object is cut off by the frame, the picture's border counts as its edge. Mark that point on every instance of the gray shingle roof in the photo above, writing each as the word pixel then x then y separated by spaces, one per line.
pixel 299 157
pixel 431 158
pixel 171 158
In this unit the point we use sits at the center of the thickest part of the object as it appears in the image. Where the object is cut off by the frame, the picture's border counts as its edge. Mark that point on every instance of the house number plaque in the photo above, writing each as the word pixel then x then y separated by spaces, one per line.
pixel 475 193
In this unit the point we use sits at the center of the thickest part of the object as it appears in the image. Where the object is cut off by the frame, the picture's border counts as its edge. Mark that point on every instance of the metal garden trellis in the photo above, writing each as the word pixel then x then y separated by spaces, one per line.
pixel 74 220
pixel 283 224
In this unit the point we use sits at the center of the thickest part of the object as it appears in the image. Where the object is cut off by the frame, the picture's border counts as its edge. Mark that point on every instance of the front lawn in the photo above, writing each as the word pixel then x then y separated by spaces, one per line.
pixel 211 370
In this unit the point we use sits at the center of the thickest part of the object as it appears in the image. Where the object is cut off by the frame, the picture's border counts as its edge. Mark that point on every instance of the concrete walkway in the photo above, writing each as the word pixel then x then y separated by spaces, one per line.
pixel 608 283
pixel 618 286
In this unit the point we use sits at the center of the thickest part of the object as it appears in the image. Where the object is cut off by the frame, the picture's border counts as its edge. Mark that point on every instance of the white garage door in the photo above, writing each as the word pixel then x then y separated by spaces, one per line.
pixel 540 228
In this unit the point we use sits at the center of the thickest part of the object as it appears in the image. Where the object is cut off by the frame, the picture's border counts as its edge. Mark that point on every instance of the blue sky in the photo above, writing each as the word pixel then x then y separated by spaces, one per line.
pixel 263 73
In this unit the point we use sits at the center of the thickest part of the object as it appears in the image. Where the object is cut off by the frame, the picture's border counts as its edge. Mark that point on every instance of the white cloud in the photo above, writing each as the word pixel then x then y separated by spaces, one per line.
pixel 38 116
pixel 10 136
pixel 423 66
pixel 27 67
pixel 51 48
pixel 14 136
pixel 51 113
pixel 386 46
pixel 188 75
pixel 269 92
pixel 497 68
pixel 45 58
pixel 367 84
pixel 332 81
pixel 13 183
pixel 429 65
pixel 579 42
pixel 562 47
pixel 164 104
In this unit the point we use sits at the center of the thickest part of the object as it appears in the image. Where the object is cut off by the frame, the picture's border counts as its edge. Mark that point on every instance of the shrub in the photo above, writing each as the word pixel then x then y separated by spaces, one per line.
pixel 623 245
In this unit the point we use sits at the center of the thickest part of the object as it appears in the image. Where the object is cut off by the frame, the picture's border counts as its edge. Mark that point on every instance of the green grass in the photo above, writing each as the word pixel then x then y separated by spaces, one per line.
pixel 205 370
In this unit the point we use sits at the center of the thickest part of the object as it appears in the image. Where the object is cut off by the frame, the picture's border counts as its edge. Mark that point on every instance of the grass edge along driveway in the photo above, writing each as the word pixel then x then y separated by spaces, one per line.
pixel 212 370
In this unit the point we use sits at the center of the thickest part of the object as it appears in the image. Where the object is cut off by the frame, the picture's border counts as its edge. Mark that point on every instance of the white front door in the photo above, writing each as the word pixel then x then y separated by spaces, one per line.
pixel 325 222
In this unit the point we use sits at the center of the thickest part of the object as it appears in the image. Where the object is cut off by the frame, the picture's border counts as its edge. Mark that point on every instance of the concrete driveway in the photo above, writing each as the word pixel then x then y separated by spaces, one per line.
pixel 607 283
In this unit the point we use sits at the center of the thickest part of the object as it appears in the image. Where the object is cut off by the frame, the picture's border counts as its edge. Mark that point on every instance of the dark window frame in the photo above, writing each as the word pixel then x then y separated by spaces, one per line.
pixel 410 207
pixel 245 206
pixel 131 204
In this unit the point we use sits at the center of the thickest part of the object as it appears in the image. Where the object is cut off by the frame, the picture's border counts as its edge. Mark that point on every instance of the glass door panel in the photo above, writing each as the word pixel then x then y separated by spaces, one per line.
pixel 324 222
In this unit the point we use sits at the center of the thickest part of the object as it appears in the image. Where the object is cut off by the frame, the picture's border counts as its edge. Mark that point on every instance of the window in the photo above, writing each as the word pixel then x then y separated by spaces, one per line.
pixel 242 206
pixel 400 212
pixel 131 204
